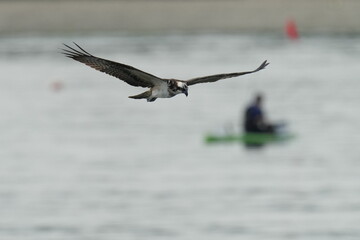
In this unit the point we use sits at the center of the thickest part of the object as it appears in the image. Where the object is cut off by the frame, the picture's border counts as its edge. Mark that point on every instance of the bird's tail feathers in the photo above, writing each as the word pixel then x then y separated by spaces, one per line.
pixel 146 94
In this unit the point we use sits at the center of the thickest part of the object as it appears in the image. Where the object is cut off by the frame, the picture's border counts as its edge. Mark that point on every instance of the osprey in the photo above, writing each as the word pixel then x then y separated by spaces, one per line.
pixel 159 87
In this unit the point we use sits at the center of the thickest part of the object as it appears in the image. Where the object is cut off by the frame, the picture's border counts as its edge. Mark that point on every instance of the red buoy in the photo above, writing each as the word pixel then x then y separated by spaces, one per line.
pixel 291 30
pixel 57 86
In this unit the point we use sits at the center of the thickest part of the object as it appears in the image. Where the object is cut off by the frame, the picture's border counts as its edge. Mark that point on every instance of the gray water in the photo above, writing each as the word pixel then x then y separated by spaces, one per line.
pixel 86 162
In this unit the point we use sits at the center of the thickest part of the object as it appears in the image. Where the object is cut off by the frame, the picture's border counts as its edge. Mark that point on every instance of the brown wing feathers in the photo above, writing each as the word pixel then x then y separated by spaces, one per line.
pixel 214 78
pixel 129 74
pixel 136 77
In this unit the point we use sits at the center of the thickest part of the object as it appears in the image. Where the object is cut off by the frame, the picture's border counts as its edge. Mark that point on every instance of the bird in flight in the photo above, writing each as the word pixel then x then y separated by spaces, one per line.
pixel 159 87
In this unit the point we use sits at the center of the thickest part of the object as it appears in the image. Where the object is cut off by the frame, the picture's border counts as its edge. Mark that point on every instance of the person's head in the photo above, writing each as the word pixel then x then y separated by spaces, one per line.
pixel 258 99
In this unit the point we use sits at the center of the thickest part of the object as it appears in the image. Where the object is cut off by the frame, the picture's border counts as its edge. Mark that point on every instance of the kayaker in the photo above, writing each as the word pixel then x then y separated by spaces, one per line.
pixel 254 119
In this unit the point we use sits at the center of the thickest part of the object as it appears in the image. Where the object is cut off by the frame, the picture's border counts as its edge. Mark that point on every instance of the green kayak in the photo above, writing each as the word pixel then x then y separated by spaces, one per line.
pixel 248 138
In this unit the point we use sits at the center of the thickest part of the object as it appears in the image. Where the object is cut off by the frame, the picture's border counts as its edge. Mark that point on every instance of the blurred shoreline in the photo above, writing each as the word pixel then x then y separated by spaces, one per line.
pixel 82 16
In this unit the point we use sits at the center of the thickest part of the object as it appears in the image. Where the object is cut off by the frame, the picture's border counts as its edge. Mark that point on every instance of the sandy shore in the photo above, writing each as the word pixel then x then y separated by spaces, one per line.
pixel 312 16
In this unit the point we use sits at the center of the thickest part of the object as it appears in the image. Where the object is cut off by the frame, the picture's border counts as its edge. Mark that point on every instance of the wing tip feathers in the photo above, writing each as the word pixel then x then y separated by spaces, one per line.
pixel 71 52
pixel 262 66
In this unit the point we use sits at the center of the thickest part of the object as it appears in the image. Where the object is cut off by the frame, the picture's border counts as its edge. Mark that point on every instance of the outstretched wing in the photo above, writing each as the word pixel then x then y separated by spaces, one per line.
pixel 128 74
pixel 214 78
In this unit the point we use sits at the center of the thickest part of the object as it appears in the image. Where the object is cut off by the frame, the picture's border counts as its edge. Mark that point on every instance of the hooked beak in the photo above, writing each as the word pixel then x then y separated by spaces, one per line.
pixel 185 92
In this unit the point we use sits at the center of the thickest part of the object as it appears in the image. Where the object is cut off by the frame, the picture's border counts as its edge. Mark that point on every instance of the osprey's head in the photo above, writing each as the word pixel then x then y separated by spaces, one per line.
pixel 178 87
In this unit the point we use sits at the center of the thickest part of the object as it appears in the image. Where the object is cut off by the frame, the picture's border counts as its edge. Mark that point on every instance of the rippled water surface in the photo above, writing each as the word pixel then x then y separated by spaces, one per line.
pixel 86 162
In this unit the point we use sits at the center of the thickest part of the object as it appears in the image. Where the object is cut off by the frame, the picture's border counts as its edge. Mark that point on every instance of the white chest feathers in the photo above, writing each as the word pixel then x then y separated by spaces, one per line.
pixel 161 91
